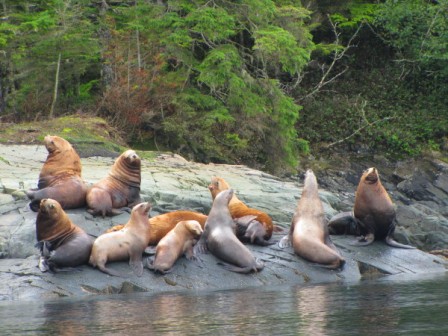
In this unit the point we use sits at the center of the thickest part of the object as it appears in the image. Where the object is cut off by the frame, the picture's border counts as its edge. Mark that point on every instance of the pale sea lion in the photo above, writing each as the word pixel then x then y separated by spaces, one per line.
pixel 128 243
pixel 60 177
pixel 120 189
pixel 219 238
pixel 62 243
pixel 179 241
pixel 373 215
pixel 252 225
pixel 309 231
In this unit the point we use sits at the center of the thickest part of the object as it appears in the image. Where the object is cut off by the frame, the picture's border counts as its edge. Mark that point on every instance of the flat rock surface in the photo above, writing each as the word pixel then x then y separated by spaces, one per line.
pixel 171 183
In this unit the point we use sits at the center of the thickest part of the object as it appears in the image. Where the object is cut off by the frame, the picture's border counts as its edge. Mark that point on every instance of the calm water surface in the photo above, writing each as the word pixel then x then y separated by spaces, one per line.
pixel 373 307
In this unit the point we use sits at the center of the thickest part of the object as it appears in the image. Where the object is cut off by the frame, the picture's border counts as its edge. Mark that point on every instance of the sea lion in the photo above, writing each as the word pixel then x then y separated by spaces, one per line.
pixel 373 216
pixel 60 177
pixel 219 238
pixel 252 225
pixel 128 243
pixel 177 242
pixel 120 189
pixel 309 231
pixel 160 225
pixel 62 243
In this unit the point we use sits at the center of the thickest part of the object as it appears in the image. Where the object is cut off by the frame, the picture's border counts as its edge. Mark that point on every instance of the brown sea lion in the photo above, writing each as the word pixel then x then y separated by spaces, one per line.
pixel 62 243
pixel 177 242
pixel 219 238
pixel 373 215
pixel 309 231
pixel 252 225
pixel 128 243
pixel 60 177
pixel 160 225
pixel 120 189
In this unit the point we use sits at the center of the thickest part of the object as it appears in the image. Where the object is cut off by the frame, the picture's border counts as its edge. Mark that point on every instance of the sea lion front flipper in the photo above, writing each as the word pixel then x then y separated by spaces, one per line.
pixel 200 247
pixel 43 264
pixel 364 240
pixel 150 263
pixel 285 242
pixel 391 242
pixel 151 250
pixel 136 266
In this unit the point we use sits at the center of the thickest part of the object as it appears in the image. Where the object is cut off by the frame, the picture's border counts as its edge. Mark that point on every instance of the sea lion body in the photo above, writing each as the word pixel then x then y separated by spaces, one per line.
pixel 160 225
pixel 309 231
pixel 219 238
pixel 373 213
pixel 179 241
pixel 252 225
pixel 60 177
pixel 62 243
pixel 126 244
pixel 120 189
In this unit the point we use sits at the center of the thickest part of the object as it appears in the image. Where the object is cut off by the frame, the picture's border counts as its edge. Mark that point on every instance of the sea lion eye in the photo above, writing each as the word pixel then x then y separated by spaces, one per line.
pixel 51 206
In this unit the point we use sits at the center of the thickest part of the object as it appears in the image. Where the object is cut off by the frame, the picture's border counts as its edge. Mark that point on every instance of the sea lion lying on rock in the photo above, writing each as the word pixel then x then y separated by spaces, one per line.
pixel 177 242
pixel 309 231
pixel 373 215
pixel 60 177
pixel 120 189
pixel 62 243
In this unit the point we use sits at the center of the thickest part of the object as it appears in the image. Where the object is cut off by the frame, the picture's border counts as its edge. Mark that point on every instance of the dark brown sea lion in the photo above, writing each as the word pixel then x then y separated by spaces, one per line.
pixel 128 243
pixel 309 231
pixel 373 215
pixel 120 189
pixel 177 242
pixel 252 225
pixel 62 243
pixel 160 225
pixel 60 177
pixel 219 238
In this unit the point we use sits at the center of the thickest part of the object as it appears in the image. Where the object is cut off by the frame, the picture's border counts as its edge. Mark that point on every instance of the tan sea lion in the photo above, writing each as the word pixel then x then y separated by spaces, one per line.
pixel 128 243
pixel 60 177
pixel 373 215
pixel 177 242
pixel 120 189
pixel 252 225
pixel 160 225
pixel 219 238
pixel 62 243
pixel 309 231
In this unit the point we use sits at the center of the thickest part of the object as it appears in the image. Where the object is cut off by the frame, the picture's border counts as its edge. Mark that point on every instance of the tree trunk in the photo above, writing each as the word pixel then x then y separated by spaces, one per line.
pixel 56 84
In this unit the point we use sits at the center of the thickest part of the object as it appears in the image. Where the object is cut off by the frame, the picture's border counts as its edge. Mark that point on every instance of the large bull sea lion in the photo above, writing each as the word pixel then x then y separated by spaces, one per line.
pixel 60 177
pixel 177 242
pixel 128 243
pixel 62 243
pixel 252 225
pixel 219 238
pixel 309 231
pixel 160 225
pixel 120 189
pixel 373 215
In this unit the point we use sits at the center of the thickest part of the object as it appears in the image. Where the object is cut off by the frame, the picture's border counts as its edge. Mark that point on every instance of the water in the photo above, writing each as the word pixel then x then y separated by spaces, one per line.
pixel 373 307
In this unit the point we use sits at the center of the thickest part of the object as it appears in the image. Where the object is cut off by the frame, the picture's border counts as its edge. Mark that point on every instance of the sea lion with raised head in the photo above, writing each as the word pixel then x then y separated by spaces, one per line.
pixel 62 243
pixel 219 238
pixel 252 225
pixel 160 225
pixel 126 244
pixel 120 189
pixel 309 232
pixel 179 241
pixel 60 177
pixel 373 216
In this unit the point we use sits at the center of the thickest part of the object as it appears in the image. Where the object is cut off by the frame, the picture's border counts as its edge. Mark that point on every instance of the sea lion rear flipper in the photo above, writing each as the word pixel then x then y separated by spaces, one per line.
pixel 34 205
pixel 150 263
pixel 235 269
pixel 343 223
pixel 111 272
pixel 263 242
pixel 285 241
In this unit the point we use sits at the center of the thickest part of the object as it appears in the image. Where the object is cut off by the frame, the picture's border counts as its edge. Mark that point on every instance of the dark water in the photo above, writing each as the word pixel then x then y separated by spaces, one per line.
pixel 374 307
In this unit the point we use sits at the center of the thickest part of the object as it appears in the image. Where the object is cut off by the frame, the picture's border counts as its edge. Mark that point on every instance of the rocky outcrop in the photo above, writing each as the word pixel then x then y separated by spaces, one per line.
pixel 170 182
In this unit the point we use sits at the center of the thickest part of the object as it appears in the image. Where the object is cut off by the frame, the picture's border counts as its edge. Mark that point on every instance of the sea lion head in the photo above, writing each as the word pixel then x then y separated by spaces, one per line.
pixel 50 207
pixel 127 168
pixel 54 144
pixel 370 176
pixel 194 227
pixel 217 185
pixel 224 196
pixel 131 158
pixel 141 209
pixel 51 220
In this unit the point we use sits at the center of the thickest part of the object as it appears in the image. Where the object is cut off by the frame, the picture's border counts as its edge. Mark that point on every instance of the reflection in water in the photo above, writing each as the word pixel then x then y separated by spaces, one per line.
pixel 367 308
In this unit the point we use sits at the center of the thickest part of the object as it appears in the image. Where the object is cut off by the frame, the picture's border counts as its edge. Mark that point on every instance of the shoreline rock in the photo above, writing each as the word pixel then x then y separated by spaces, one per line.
pixel 170 183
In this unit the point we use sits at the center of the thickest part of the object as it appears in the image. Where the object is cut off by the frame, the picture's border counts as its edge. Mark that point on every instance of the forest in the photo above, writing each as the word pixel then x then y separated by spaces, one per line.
pixel 255 82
